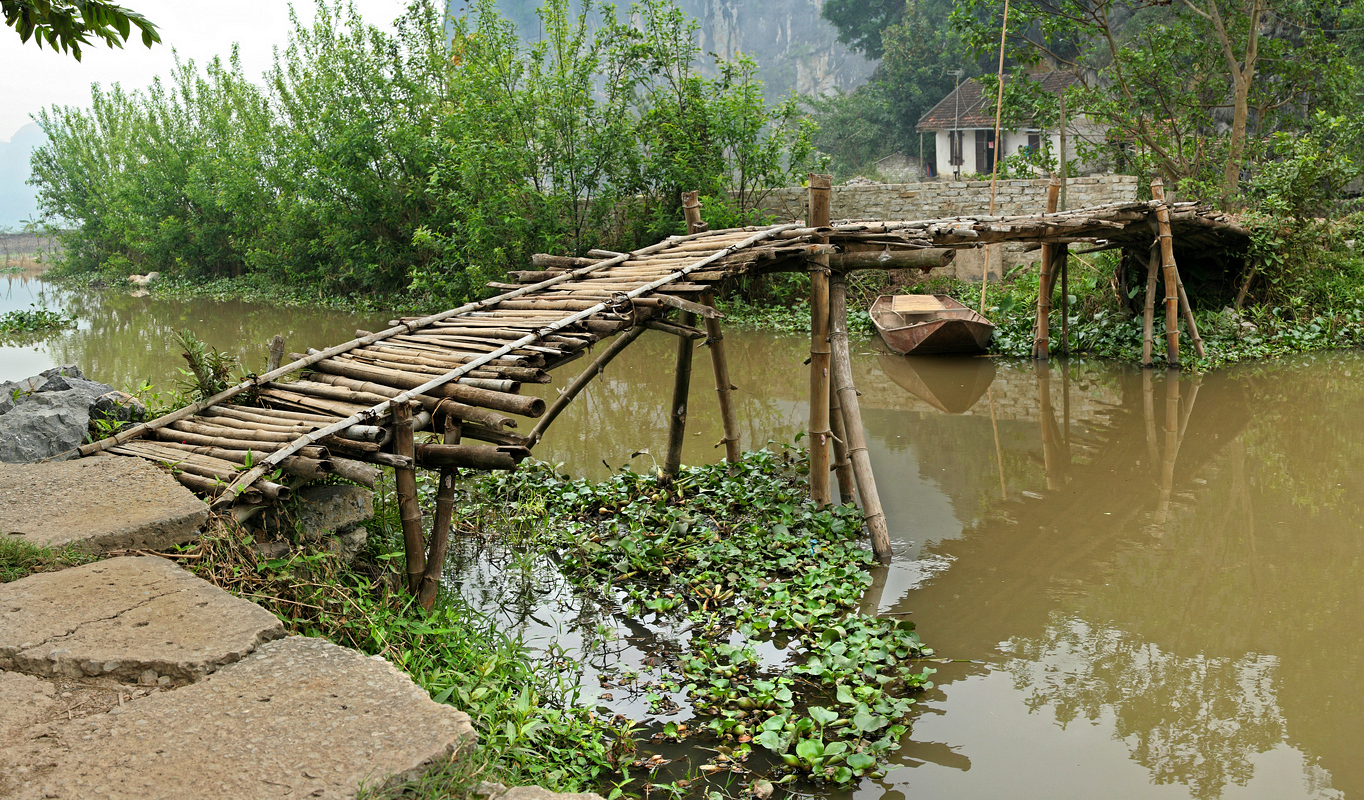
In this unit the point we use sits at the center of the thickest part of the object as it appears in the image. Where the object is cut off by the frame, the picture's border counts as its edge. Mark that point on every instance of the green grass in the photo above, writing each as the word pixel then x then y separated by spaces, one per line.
pixel 19 559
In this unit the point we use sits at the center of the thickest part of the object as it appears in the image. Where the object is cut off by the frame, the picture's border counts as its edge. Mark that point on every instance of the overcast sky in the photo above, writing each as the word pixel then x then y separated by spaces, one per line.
pixel 32 79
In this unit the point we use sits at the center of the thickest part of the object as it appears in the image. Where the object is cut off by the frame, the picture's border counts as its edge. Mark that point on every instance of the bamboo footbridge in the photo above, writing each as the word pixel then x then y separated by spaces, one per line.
pixel 355 407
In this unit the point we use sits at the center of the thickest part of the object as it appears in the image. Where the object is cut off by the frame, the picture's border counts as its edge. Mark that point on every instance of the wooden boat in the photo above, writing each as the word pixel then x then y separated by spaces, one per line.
pixel 951 385
pixel 921 324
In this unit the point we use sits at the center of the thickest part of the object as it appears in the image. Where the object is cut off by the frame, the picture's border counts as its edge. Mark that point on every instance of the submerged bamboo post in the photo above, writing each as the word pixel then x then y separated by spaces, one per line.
pixel 852 421
pixel 819 346
pixel 1158 193
pixel 440 526
pixel 677 422
pixel 1167 464
pixel 1148 314
pixel 1171 275
pixel 1041 347
pixel 1051 458
pixel 409 510
pixel 847 489
pixel 715 339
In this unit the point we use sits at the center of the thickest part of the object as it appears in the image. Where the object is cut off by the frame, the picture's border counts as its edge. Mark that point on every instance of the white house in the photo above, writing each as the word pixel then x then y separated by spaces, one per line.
pixel 963 125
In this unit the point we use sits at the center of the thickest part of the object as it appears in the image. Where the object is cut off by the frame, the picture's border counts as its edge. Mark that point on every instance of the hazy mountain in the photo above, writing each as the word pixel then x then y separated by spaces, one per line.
pixel 796 48
pixel 17 202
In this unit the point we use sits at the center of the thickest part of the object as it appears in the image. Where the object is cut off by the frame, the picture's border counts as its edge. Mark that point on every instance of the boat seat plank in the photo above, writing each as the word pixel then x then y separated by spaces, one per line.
pixel 915 304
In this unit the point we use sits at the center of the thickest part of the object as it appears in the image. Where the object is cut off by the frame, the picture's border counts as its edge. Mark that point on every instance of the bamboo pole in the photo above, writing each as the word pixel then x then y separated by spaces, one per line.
pixel 994 164
pixel 1171 275
pixel 819 347
pixel 724 390
pixel 442 381
pixel 852 421
pixel 440 526
pixel 1042 328
pixel 409 510
pixel 1062 255
pixel 999 451
pixel 847 486
pixel 1171 450
pixel 579 383
pixel 1051 459
pixel 276 353
pixel 677 420
pixel 1158 193
pixel 1148 315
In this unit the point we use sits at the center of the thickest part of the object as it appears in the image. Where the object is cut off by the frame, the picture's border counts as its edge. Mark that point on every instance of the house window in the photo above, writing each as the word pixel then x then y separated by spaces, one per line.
pixel 985 152
pixel 1034 143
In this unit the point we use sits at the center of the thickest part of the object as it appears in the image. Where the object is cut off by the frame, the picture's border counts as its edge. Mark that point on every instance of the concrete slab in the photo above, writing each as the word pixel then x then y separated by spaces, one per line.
pixel 24 700
pixel 124 617
pixel 98 504
pixel 299 717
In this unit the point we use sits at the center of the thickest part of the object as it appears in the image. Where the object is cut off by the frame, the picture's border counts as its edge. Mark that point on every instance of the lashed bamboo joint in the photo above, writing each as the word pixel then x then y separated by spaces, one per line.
pixel 459 374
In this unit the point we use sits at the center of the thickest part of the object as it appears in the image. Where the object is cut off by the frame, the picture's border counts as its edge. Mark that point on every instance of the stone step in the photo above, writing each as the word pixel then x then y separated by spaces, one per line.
pixel 98 504
pixel 123 618
pixel 299 717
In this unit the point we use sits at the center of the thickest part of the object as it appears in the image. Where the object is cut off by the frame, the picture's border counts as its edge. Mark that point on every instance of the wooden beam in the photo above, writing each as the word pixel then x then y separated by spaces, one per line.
pixel 715 339
pixel 409 510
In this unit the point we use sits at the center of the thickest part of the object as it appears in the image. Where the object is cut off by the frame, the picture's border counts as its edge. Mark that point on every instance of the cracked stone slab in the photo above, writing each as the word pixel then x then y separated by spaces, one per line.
pixel 124 617
pixel 98 504
pixel 24 700
pixel 299 717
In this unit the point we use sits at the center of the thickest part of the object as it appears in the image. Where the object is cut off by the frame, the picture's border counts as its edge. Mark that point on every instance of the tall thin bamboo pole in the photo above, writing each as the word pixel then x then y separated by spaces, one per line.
pixel 1042 328
pixel 440 526
pixel 994 171
pixel 724 391
pixel 819 347
pixel 1062 255
pixel 1158 193
pixel 1148 314
pixel 852 421
pixel 409 510
pixel 677 421
pixel 1170 274
pixel 579 383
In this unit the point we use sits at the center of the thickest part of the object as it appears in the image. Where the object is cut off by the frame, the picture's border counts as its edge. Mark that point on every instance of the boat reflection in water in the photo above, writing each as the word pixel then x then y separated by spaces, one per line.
pixel 951 385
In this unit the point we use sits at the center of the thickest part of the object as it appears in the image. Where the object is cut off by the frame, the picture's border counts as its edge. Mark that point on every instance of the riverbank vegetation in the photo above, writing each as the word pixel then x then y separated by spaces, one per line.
pixel 753 593
pixel 427 161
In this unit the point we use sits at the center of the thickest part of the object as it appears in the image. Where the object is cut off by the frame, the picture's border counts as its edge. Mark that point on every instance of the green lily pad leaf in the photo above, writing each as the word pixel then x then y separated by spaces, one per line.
pixel 842 775
pixel 809 749
pixel 861 761
pixel 845 696
pixel 823 715
pixel 835 748
pixel 772 740
pixel 866 723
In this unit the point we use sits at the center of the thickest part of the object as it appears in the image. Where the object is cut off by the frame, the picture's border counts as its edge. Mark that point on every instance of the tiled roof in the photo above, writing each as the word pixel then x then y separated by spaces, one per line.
pixel 975 110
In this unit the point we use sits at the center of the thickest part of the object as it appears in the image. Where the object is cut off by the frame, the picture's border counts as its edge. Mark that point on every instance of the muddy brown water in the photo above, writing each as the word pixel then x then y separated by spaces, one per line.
pixel 1155 583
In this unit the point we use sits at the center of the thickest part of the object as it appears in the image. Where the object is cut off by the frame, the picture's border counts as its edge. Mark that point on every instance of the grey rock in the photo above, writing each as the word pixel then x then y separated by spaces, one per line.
pixel 299 717
pixel 97 503
pixel 123 618
pixel 44 425
pixel 537 793
pixel 349 544
pixel 118 406
pixel 320 510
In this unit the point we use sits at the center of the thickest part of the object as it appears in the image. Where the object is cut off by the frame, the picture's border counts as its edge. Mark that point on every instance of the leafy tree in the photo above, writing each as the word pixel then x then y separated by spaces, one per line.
pixel 860 23
pixel 69 25
pixel 1161 77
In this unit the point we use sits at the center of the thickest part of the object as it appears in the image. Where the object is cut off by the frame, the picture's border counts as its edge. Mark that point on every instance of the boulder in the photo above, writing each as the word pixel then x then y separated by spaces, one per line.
pixel 49 414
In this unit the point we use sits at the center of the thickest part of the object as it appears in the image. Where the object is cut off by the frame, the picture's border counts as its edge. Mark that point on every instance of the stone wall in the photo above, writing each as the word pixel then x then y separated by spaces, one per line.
pixel 937 199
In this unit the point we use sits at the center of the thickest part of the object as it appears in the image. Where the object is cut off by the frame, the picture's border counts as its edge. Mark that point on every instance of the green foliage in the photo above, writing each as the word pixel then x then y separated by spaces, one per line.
pixel 530 732
pixel 19 559
pixel 210 370
pixel 66 25
pixel 737 556
pixel 425 161
pixel 861 23
pixel 1304 172
pixel 34 320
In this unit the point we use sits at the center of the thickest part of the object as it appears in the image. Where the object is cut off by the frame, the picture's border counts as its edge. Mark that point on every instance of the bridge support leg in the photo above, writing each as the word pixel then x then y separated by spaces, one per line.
pixel 677 424
pixel 440 526
pixel 1041 343
pixel 1148 314
pixel 847 489
pixel 852 419
pixel 819 348
pixel 409 510
pixel 715 338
